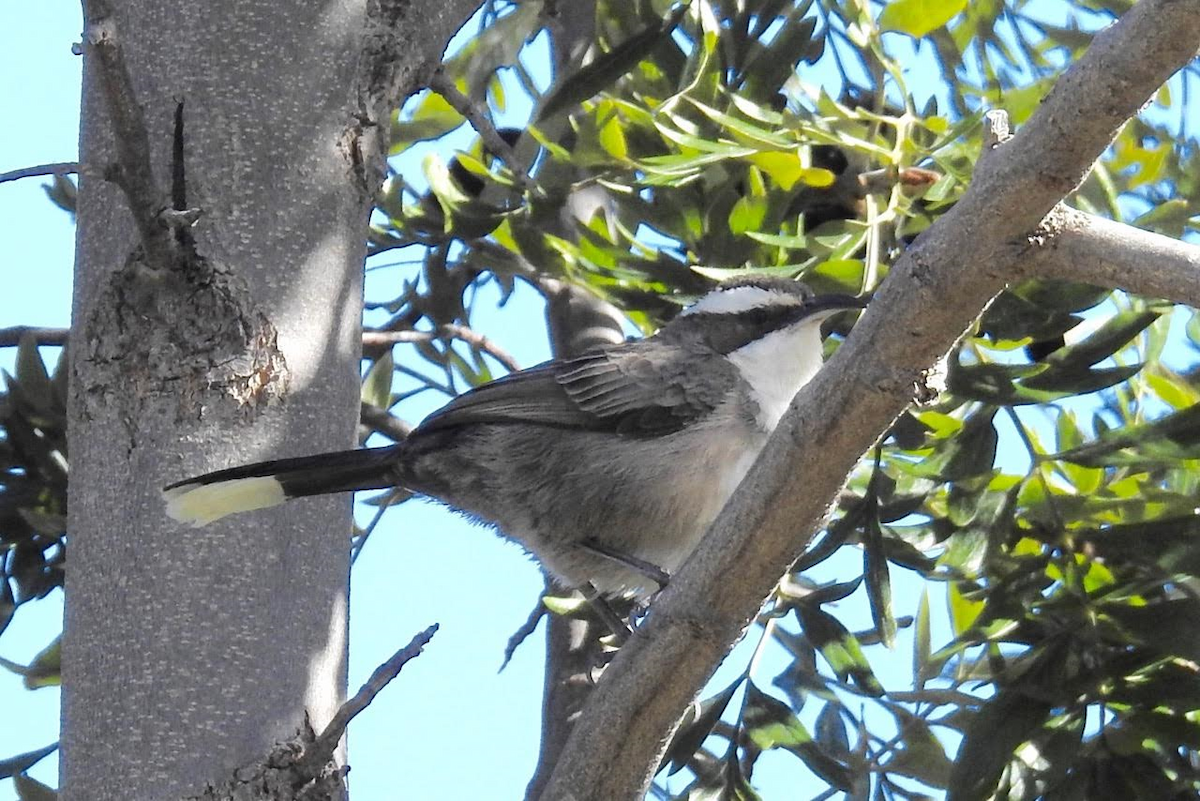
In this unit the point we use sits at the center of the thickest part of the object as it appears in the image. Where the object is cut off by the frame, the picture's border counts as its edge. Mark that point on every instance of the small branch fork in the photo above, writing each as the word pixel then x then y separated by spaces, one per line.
pixel 320 751
pixel 476 113
pixel 374 339
pixel 133 172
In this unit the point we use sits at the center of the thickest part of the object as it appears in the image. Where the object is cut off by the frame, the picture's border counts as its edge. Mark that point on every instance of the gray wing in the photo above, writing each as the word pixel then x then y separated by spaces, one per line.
pixel 632 390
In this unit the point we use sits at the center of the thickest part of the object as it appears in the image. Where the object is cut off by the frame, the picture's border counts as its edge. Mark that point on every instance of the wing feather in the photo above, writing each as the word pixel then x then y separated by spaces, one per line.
pixel 632 390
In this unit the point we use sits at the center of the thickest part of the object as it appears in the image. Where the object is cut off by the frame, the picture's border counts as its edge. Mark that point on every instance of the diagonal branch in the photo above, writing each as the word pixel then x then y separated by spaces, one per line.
pixel 320 750
pixel 968 256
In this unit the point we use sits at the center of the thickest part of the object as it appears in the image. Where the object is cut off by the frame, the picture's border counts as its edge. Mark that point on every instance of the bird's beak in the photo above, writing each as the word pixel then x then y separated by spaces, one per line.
pixel 832 303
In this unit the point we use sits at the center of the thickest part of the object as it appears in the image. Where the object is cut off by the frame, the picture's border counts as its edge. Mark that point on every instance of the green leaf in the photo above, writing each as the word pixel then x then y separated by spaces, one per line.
pixel 769 722
pixel 770 65
pixel 695 727
pixel 603 72
pixel 1167 626
pixel 36 387
pixel 30 789
pixel 974 449
pixel 1071 381
pixel 434 117
pixel 922 643
pixel 747 214
pixel 840 648
pixel 963 611
pixel 919 17
pixel 922 757
pixel 44 671
pixel 612 139
pixel 1181 427
pixel 377 386
pixel 1106 340
pixel 1008 719
pixel 879 581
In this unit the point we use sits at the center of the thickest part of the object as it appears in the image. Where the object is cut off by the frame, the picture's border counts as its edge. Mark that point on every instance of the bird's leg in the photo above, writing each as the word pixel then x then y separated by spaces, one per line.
pixel 605 612
pixel 647 569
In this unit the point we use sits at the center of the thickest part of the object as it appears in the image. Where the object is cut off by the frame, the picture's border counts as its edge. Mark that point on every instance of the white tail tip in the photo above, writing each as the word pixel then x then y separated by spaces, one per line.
pixel 200 504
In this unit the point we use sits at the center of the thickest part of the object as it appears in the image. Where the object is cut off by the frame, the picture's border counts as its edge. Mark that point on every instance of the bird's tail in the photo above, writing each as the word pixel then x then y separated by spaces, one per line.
pixel 209 497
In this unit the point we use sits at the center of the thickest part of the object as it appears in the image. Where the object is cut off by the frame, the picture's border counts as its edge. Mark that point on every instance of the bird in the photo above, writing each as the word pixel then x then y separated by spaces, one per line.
pixel 607 467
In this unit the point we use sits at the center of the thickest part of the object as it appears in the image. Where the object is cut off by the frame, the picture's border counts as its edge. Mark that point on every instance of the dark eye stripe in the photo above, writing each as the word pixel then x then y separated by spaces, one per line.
pixel 726 333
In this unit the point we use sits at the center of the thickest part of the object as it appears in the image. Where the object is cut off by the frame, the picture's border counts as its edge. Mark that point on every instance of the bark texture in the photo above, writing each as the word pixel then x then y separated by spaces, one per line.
pixel 192 652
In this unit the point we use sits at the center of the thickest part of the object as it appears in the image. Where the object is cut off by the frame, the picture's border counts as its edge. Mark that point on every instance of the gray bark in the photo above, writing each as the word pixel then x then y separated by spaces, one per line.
pixel 190 652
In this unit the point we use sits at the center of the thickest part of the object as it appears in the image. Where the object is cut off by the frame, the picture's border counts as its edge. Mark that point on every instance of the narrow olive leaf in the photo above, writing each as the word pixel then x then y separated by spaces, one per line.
pixel 1167 730
pixel 1067 296
pixel 994 733
pixel 976 448
pixel 608 68
pixel 922 756
pixel 1111 337
pixel 831 727
pixel 769 722
pixel 1169 217
pixel 1166 626
pixel 879 582
pixel 1079 382
pixel 30 789
pixel 8 605
pixel 994 384
pixel 23 762
pixel 828 593
pixel 1013 317
pixel 1182 427
pixel 736 786
pixel 377 386
pixel 46 668
pixel 840 648
pixel 31 374
pixel 697 724
pixel 433 117
pixel 769 66
pixel 58 379
pixel 1168 541
pixel 919 18
pixel 923 668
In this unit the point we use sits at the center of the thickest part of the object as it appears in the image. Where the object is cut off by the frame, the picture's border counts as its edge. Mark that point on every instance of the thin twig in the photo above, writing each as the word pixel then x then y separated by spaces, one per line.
pixel 395 496
pixel 522 633
pixel 321 749
pixel 477 114
pixel 130 138
pixel 380 421
pixel 376 339
pixel 11 337
pixel 56 168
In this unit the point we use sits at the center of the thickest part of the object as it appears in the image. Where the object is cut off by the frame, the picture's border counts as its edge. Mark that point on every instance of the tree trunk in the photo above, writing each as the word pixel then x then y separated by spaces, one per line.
pixel 189 652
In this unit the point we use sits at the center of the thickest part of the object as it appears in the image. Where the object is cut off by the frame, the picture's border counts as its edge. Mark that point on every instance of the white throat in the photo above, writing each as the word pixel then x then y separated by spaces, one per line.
pixel 777 365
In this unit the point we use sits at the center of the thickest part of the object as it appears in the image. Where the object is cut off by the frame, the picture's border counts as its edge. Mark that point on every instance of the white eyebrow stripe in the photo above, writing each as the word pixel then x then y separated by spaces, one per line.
pixel 739 299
